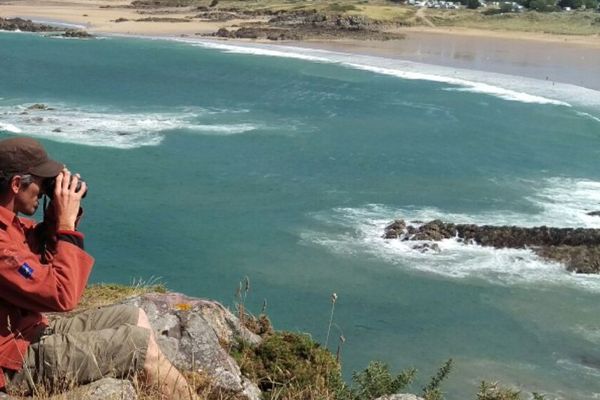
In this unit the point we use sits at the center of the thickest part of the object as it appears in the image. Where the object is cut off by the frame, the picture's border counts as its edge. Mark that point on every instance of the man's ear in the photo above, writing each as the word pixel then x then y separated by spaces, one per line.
pixel 15 183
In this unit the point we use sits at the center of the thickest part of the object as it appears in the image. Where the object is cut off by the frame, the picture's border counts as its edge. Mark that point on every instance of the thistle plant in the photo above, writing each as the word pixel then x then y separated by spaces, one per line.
pixel 333 300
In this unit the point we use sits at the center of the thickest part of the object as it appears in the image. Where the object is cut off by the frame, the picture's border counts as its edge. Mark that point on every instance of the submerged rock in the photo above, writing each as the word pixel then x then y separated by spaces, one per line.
pixel 577 248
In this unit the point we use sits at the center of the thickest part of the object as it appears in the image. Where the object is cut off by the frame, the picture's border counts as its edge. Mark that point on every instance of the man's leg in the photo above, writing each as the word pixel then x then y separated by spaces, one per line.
pixel 159 370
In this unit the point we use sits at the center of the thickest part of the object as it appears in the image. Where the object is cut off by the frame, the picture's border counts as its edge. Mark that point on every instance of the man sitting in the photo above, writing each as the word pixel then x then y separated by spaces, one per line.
pixel 44 268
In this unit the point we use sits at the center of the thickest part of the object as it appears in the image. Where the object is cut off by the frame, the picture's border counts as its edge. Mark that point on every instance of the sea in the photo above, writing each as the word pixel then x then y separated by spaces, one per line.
pixel 211 162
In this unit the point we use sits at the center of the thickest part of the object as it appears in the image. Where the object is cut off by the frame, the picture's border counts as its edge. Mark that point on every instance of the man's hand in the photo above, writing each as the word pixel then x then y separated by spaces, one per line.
pixel 67 200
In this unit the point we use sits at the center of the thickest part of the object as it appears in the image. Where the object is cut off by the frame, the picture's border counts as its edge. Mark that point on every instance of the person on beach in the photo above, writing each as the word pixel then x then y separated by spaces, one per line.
pixel 44 268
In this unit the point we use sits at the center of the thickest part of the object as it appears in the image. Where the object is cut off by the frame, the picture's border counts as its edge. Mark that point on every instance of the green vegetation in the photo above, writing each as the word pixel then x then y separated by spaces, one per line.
pixel 542 16
pixel 99 295
pixel 563 23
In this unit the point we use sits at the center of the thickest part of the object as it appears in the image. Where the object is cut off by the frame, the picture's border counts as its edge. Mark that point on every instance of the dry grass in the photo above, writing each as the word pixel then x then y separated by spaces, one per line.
pixel 104 294
pixel 563 23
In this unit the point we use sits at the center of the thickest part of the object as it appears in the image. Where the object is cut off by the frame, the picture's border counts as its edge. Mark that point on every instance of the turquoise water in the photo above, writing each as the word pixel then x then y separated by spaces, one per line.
pixel 210 163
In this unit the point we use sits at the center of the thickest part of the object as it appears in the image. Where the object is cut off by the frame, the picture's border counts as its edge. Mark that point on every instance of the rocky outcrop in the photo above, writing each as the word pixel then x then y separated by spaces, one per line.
pixel 78 34
pixel 257 33
pixel 296 25
pixel 197 335
pixel 25 25
pixel 577 248
pixel 594 213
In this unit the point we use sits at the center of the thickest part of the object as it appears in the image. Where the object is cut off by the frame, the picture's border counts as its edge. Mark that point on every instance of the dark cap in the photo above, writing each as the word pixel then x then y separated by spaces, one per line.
pixel 27 155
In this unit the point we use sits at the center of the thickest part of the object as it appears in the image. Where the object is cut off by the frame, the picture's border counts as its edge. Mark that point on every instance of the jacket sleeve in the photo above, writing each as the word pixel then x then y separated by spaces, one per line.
pixel 58 285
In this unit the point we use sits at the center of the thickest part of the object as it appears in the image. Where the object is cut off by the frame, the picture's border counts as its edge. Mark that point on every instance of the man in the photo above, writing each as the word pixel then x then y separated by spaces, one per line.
pixel 44 268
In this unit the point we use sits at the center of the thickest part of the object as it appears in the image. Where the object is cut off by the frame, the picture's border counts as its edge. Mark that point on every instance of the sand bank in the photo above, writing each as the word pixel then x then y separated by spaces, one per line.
pixel 567 59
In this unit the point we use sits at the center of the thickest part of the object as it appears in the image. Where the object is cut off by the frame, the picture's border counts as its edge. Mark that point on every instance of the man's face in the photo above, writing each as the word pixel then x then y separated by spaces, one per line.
pixel 27 199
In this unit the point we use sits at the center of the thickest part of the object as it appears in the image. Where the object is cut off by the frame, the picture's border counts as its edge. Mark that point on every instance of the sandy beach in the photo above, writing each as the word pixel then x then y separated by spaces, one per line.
pixel 558 58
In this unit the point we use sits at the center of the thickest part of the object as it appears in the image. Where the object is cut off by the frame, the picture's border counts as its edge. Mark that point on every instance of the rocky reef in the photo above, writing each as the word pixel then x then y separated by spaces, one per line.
pixel 297 25
pixel 26 25
pixel 577 248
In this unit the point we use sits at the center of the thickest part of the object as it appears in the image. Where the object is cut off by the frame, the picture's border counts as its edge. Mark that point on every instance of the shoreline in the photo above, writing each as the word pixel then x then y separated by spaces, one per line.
pixel 564 59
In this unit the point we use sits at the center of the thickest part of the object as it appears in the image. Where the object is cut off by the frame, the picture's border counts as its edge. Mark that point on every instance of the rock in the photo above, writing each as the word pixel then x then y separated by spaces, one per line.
pixel 74 33
pixel 427 247
pixel 395 229
pixel 25 25
pixel 577 248
pixel 223 32
pixel 57 130
pixel 400 396
pixel 247 33
pixel 352 22
pixel 121 20
pixel 594 213
pixel 197 334
pixel 39 107
pixel 105 389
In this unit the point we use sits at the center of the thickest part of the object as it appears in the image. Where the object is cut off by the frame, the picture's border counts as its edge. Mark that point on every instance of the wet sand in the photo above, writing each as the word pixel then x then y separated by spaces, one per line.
pixel 566 61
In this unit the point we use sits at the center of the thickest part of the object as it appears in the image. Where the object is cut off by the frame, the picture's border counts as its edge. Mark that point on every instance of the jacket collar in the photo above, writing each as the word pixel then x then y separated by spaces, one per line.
pixel 6 216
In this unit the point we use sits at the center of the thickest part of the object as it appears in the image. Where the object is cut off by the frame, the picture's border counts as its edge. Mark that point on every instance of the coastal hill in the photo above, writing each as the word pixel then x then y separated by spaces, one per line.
pixel 291 20
pixel 239 356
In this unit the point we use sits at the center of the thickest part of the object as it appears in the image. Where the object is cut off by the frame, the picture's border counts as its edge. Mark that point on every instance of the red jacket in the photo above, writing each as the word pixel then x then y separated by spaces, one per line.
pixel 31 284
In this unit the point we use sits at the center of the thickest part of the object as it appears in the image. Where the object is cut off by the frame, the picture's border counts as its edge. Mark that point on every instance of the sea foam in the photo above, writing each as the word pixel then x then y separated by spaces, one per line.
pixel 561 202
pixel 105 127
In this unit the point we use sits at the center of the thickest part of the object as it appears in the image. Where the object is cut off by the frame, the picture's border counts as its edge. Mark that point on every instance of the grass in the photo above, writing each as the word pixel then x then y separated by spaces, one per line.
pixel 563 23
pixel 99 295
pixel 388 13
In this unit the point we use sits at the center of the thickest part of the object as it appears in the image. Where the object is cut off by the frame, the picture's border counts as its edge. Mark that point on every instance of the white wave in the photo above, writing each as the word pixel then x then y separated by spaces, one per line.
pixel 9 128
pixel 224 129
pixel 589 333
pixel 582 369
pixel 587 115
pixel 565 202
pixel 259 51
pixel 352 231
pixel 59 24
pixel 508 87
pixel 469 86
pixel 109 128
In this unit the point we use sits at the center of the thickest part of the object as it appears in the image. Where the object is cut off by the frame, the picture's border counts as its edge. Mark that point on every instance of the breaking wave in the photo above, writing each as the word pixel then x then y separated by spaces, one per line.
pixel 507 87
pixel 561 202
pixel 109 128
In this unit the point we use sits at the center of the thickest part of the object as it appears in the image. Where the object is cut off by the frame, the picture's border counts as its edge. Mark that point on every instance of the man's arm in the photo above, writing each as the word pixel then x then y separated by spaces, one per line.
pixel 27 283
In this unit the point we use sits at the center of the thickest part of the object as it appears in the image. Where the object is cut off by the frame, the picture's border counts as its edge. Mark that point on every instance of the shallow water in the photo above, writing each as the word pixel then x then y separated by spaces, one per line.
pixel 209 163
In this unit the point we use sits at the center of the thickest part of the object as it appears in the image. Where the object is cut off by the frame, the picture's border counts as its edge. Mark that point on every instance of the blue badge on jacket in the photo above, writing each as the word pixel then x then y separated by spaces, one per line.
pixel 26 271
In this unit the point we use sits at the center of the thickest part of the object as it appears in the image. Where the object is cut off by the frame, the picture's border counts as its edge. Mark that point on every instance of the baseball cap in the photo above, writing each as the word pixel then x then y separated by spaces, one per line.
pixel 27 155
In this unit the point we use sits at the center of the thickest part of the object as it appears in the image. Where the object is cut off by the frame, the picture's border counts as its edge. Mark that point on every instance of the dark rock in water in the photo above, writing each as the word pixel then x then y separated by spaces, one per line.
pixel 594 213
pixel 56 130
pixel 74 33
pixel 579 259
pixel 577 248
pixel 40 107
pixel 25 25
pixel 395 229
pixel 427 247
